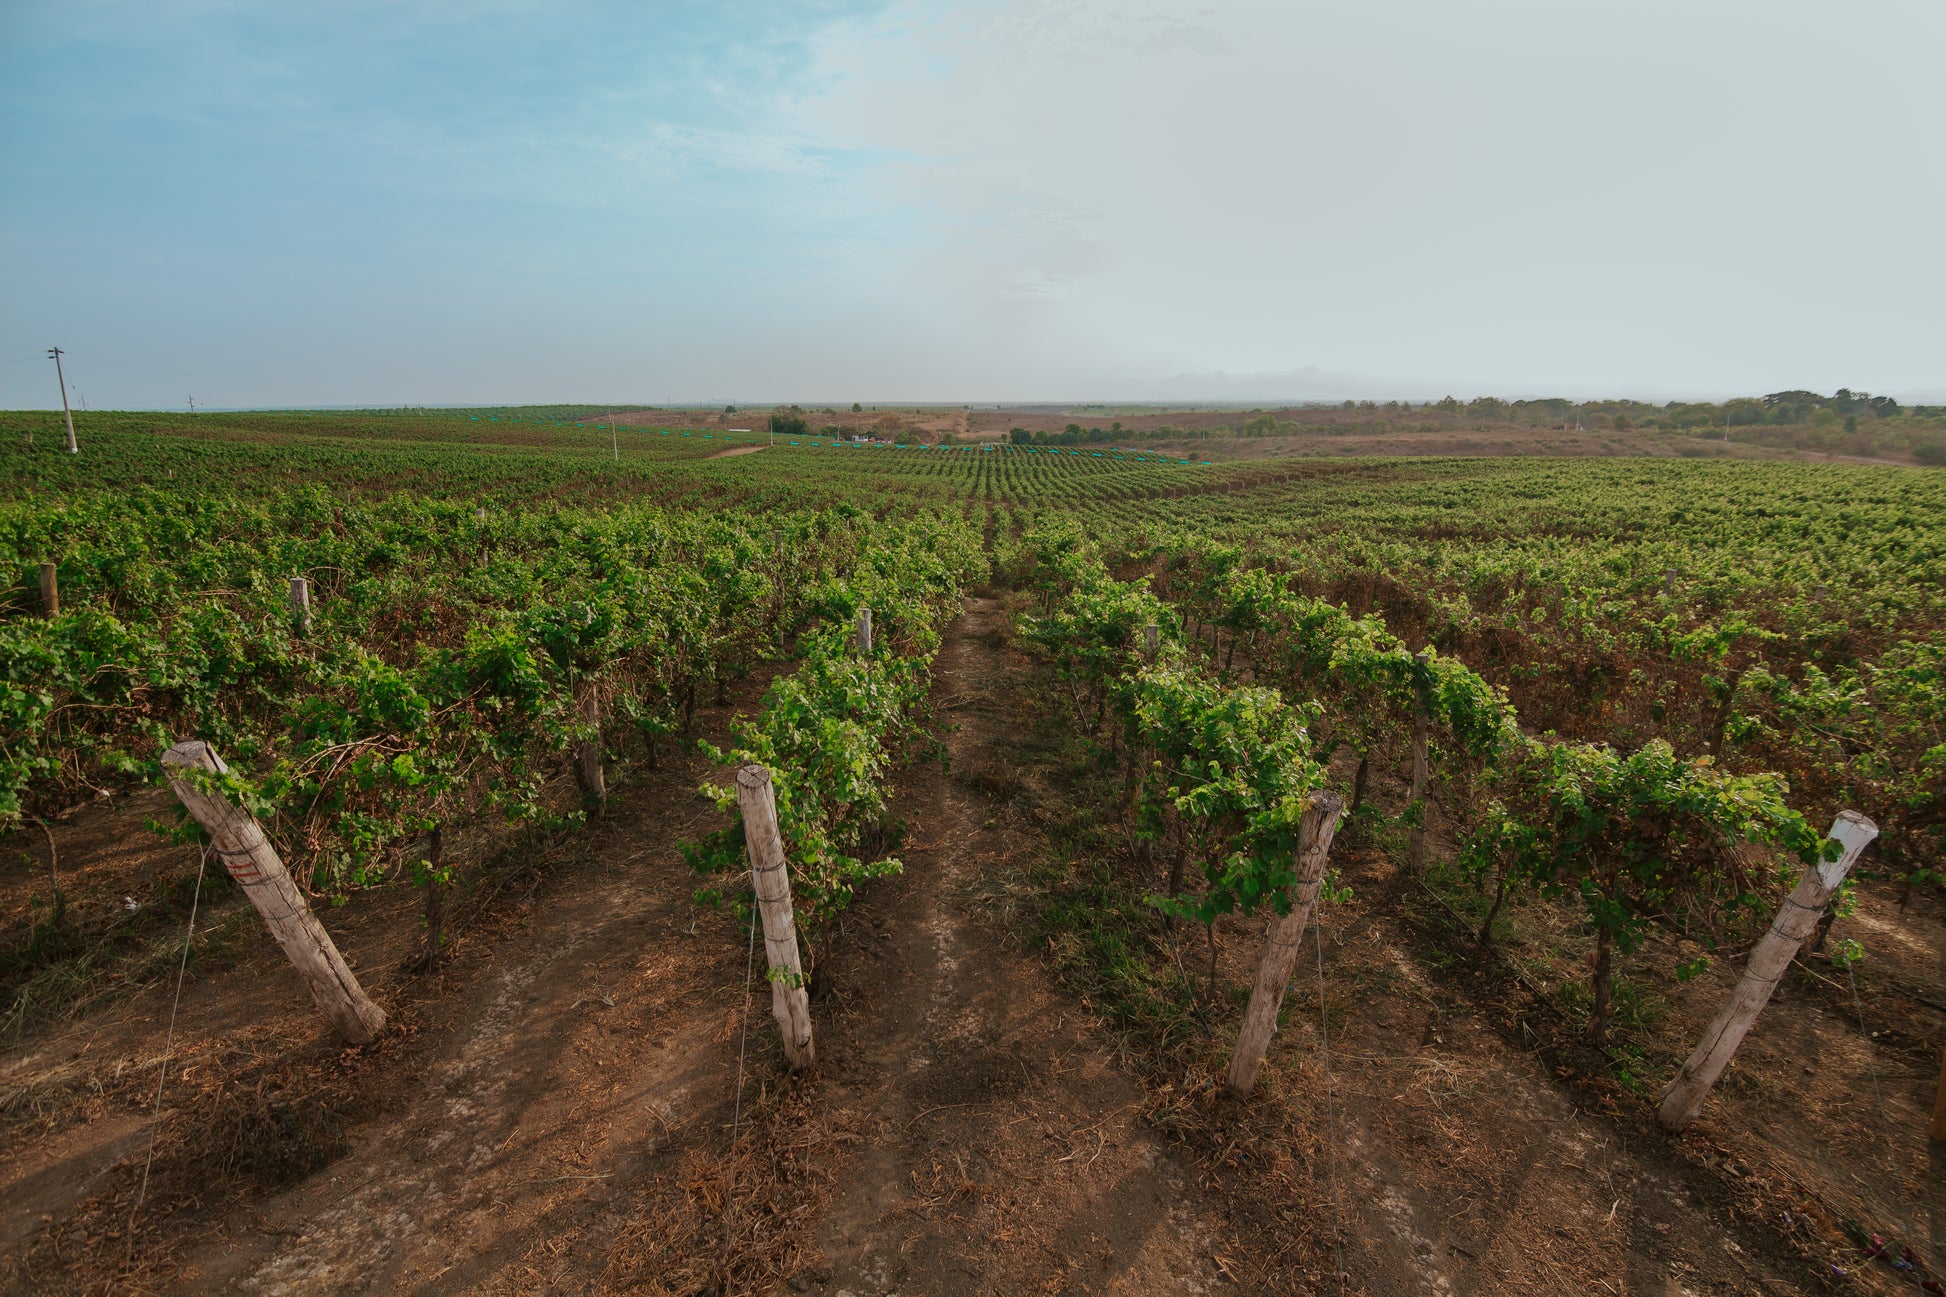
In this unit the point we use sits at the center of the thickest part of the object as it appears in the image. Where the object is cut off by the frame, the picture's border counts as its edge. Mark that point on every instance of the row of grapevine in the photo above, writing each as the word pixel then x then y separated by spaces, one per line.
pixel 452 657
pixel 1633 835
pixel 1860 729
pixel 831 732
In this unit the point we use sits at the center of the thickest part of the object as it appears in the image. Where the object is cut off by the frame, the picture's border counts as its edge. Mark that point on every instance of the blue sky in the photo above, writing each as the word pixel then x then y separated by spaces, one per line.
pixel 496 200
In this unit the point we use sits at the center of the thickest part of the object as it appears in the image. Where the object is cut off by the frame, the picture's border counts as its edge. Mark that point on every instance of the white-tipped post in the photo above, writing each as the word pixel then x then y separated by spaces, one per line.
pixel 239 842
pixel 1683 1100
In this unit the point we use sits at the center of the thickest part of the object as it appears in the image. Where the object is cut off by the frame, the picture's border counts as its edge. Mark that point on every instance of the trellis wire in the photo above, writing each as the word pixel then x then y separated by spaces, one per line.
pixel 736 1117
pixel 1878 1099
pixel 1330 1115
pixel 168 1048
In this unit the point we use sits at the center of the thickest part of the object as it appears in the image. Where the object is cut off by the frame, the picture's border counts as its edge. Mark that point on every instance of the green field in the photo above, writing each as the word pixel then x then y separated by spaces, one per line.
pixel 1781 616
pixel 1586 720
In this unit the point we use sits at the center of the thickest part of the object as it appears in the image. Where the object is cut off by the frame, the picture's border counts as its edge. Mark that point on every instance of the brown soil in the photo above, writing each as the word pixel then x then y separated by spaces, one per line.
pixel 559 1108
pixel 582 1024
pixel 1002 1149
pixel 736 450
pixel 1327 431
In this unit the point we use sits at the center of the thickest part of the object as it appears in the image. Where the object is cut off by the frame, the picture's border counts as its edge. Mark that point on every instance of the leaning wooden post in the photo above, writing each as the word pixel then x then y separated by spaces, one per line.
pixel 239 842
pixel 301 605
pixel 1421 772
pixel 1684 1097
pixel 594 785
pixel 50 589
pixel 1279 958
pixel 790 1002
pixel 864 631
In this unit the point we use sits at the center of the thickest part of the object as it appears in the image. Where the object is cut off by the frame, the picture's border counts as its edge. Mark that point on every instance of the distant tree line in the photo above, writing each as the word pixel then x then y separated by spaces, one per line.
pixel 1076 435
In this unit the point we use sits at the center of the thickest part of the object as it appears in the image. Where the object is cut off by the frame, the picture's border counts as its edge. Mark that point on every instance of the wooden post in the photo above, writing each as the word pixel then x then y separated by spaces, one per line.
pixel 50 589
pixel 1421 771
pixel 435 901
pixel 301 605
pixel 479 515
pixel 1153 634
pixel 1683 1100
pixel 1669 580
pixel 1938 1130
pixel 864 634
pixel 1279 958
pixel 239 842
pixel 594 786
pixel 790 1002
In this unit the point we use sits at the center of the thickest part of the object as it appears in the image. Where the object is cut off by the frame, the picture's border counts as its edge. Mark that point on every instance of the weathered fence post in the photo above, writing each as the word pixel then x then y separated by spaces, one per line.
pixel 1153 634
pixel 790 1002
pixel 50 589
pixel 435 901
pixel 1669 580
pixel 239 842
pixel 1684 1097
pixel 1279 958
pixel 301 605
pixel 864 633
pixel 1421 770
pixel 594 785
pixel 1938 1129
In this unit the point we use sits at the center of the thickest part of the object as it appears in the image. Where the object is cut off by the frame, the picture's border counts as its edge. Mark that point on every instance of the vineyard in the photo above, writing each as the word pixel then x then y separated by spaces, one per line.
pixel 1298 875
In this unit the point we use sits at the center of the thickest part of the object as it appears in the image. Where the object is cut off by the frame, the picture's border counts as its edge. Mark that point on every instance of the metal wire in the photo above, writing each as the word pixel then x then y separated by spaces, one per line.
pixel 1878 1098
pixel 1330 1114
pixel 168 1048
pixel 736 1118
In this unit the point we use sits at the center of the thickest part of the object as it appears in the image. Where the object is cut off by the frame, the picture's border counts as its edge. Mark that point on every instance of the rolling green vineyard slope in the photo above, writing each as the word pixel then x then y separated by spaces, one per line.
pixel 1755 617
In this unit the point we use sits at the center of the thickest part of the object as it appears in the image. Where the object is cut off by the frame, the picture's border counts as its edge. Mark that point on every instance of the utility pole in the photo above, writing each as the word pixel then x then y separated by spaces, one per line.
pixel 192 403
pixel 66 413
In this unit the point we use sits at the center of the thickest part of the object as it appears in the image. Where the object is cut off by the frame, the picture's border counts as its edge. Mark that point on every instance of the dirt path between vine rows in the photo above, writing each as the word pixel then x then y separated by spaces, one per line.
pixel 1004 1147
pixel 547 1083
pixel 558 1109
pixel 1001 1149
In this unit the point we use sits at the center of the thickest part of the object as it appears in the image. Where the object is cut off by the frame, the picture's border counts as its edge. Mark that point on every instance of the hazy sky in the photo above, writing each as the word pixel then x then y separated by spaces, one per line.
pixel 511 200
